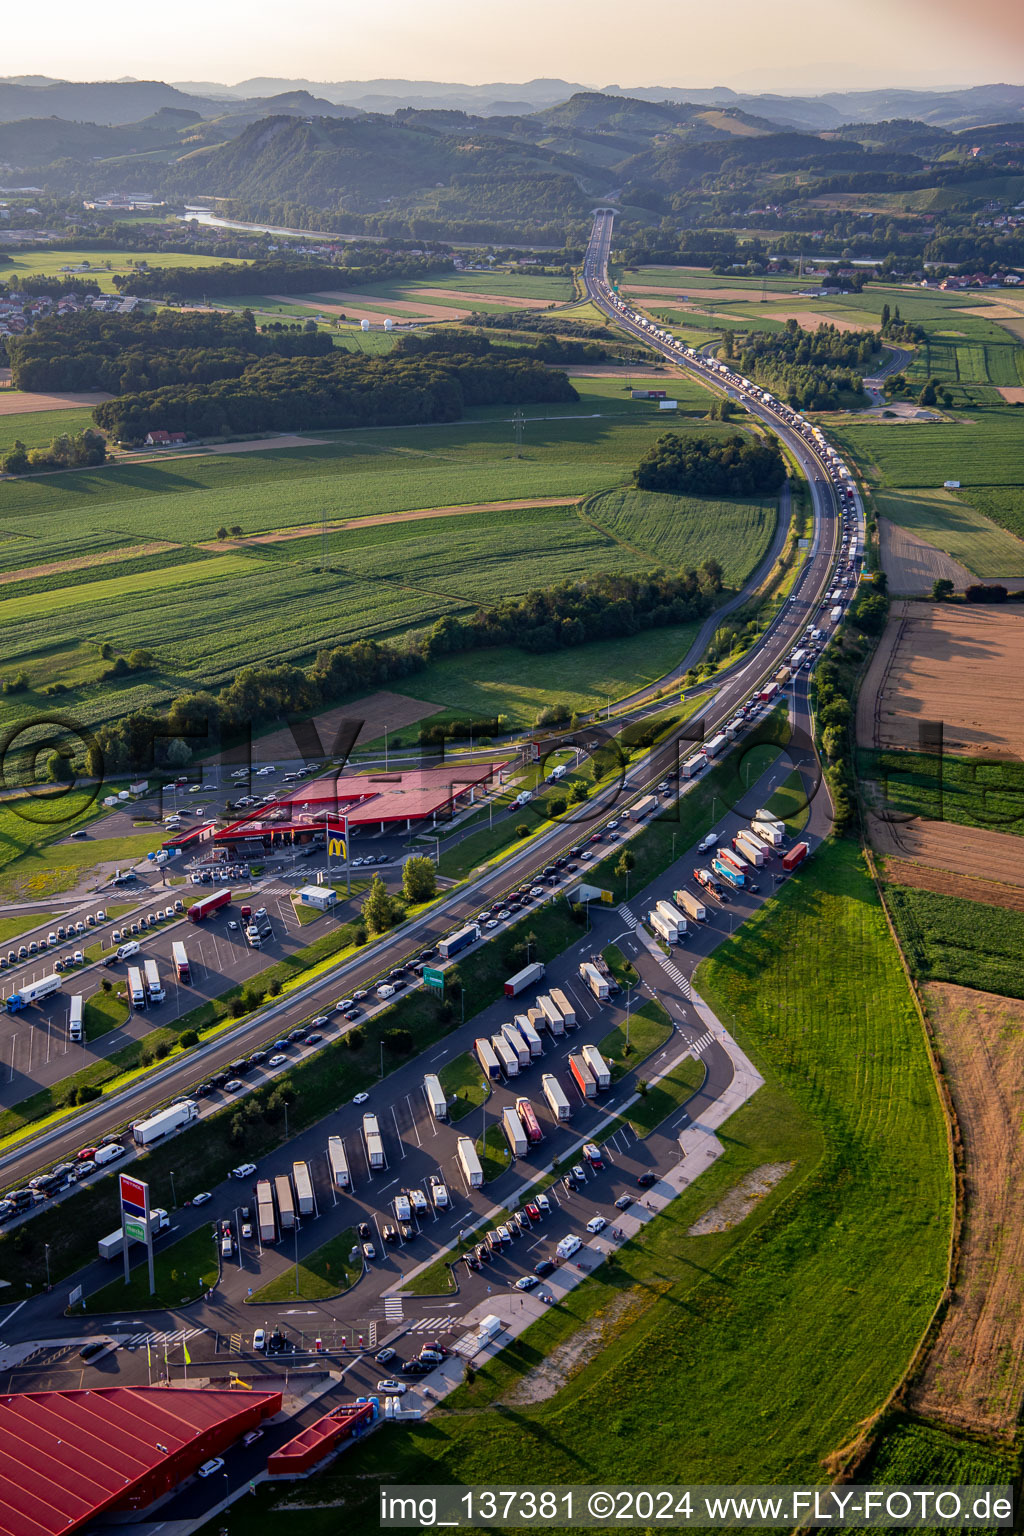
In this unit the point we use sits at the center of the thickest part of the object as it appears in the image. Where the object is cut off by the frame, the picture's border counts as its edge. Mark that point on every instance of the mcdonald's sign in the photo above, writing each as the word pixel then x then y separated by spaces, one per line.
pixel 336 848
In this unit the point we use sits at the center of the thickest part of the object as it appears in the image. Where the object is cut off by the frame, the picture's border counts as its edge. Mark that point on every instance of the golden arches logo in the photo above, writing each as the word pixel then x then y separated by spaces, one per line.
pixel 336 848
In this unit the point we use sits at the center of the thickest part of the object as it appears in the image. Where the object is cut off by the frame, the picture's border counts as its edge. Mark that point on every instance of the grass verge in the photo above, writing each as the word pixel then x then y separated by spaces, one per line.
pixel 325 1272
pixel 183 1271
pixel 463 1081
pixel 649 1028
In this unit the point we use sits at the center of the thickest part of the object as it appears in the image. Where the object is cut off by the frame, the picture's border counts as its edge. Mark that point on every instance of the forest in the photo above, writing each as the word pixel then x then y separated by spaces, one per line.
pixel 712 466
pixel 359 267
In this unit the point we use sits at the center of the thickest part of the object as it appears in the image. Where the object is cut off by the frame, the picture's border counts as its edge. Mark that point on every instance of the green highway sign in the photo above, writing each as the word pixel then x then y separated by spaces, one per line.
pixel 134 1229
pixel 433 977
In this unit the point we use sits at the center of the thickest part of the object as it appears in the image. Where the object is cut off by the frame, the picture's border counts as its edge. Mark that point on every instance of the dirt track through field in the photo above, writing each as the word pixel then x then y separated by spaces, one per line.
pixel 338 301
pixel 974 1374
pixel 912 565
pixel 261 444
pixel 83 562
pixel 945 845
pixel 1013 393
pixel 310 530
pixel 13 402
pixel 923 878
pixel 958 664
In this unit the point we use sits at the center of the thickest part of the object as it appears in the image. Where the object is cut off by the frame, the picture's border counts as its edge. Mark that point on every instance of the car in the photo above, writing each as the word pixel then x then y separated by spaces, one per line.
pixel 208 1468
pixel 491 923
pixel 234 1085
pixel 391 1387
pixel 596 1224
pixel 544 1267
pixel 503 1235
pixel 415 1368
pixel 321 1021
pixel 295 1035
pixel 645 1180
pixel 200 1199
pixel 389 1232
pixel 232 926
pixel 87 1155
pixel 471 1261
pixel 386 1355
pixel 612 825
pixel 343 1004
pixel 408 1232
pixel 624 1202
pixel 527 1282
pixel 359 994
pixel 369 1252
pixel 711 841
pixel 532 1210
pixel 433 1352
pixel 313 1039
pixel 277 1060
pixel 542 1203
pixel 522 1221
pixel 352 1013
pixel 79 834
pixel 90 1351
pixel 578 1173
pixel 537 890
pixel 483 1253
pixel 252 1436
pixel 360 1098
pixel 247 1229
pixel 243 1171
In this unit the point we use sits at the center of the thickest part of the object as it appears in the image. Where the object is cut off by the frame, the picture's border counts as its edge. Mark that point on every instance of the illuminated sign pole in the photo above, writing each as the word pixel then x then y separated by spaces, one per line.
pixel 136 1223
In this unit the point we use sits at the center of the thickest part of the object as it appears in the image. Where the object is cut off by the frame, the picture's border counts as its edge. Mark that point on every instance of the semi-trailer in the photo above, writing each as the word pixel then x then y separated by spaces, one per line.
pixel 514 1133
pixel 727 872
pixel 665 930
pixel 516 1043
pixel 76 1029
pixel 597 983
pixel 643 808
pixel 552 1013
pixel 113 1244
pixel 767 819
pixel 564 1007
pixel 599 1068
pixel 154 988
pixel 265 1219
pixel 691 905
pixel 555 1095
pixel 373 1142
pixel 200 910
pixel 303 1189
pixel 767 693
pixel 836 614
pixel 285 1202
pixel 506 1056
pixel 435 1096
pixel 528 1119
pixel 145 1132
pixel 705 878
pixel 716 744
pixel 136 987
pixel 734 861
pixel 179 954
pixel 750 847
pixel 529 1034
pixel 340 1176
pixel 33 992
pixel 485 1055
pixel 794 856
pixel 527 977
pixel 672 915
pixel 767 833
pixel 458 941
pixel 694 764
pixel 582 1076
pixel 470 1162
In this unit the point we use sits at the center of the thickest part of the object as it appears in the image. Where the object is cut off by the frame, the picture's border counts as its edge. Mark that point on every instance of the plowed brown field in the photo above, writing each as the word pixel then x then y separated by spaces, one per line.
pixel 912 565
pixel 923 878
pixel 944 845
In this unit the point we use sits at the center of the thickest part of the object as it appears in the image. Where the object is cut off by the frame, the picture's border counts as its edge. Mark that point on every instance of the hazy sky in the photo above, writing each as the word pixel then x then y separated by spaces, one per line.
pixel 746 43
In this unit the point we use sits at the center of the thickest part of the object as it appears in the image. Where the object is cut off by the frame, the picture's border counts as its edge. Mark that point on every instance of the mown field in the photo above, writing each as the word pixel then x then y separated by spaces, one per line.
pixel 970 792
pixel 683 528
pixel 946 938
pixel 103 264
pixel 942 518
pixel 767 1316
pixel 37 429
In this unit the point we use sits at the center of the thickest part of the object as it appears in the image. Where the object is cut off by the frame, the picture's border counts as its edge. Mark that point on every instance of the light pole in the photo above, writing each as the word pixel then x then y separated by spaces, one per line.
pixel 174 1198
pixel 46 1254
pixel 297 1225
pixel 385 749
pixel 382 1058
pixel 629 996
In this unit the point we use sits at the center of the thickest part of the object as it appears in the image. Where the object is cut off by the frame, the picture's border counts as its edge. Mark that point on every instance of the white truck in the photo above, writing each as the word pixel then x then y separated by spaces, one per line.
pixel 597 983
pixel 435 1096
pixel 373 1142
pixel 76 1028
pixel 146 1132
pixel 598 1066
pixel 402 1208
pixel 529 1034
pixel 564 1007
pixel 553 1015
pixel 662 927
pixel 691 905
pixel 694 764
pixel 516 1043
pixel 113 1244
pixel 136 987
pixel 768 832
pixel 507 1057
pixel 524 978
pixel 514 1133
pixel 672 914
pixel 154 990
pixel 341 1178
pixel 304 1202
pixel 746 843
pixel 470 1163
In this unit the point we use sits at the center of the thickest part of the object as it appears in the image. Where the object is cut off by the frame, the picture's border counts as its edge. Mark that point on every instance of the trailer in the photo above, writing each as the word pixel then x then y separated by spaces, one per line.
pixel 179 955
pixel 514 1133
pixel 751 848
pixel 555 1095
pixel 582 1076
pixel 552 1014
pixel 590 974
pixel 516 1043
pixel 599 1068
pixel 265 1219
pixel 76 1028
pixel 691 905
pixel 767 693
pixel 470 1162
pixel 734 861
pixel 671 914
pixel 705 878
pixel 373 1141
pixel 285 1202
pixel 145 1132
pixel 458 941
pixel 564 1007
pixel 340 1176
pixel 794 856
pixel 506 1056
pixel 136 987
pixel 768 833
pixel 527 977
pixel 33 992
pixel 200 910
pixel 728 873
pixel 528 1120
pixel 304 1202
pixel 488 1060
pixel 662 927
pixel 113 1244
pixel 716 744
pixel 836 614
pixel 154 988
pixel 435 1096
pixel 770 821
pixel 694 764
pixel 529 1034
pixel 645 807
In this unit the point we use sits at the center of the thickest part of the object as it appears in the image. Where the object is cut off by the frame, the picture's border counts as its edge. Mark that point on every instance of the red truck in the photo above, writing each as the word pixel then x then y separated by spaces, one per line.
pixel 767 693
pixel 794 856
pixel 530 1123
pixel 201 909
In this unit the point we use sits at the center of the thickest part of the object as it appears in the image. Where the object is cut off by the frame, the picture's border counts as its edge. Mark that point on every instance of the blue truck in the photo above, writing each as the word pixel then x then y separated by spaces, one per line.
pixel 726 872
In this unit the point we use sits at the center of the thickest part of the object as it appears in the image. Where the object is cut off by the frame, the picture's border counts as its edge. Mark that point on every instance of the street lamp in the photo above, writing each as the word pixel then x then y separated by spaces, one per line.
pixel 46 1254
pixel 174 1198
pixel 297 1225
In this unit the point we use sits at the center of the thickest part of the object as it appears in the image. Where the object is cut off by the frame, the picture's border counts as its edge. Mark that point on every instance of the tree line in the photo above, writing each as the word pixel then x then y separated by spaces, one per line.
pixel 79 451
pixel 545 348
pixel 276 276
pixel 712 466
pixel 811 370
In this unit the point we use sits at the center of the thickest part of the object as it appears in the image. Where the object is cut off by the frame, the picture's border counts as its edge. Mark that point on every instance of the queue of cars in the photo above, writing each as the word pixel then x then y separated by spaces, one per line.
pixel 63 933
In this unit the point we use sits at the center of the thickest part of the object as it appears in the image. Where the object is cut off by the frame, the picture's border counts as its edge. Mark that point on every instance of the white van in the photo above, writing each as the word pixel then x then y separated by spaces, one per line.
pixel 568 1246
pixel 108 1154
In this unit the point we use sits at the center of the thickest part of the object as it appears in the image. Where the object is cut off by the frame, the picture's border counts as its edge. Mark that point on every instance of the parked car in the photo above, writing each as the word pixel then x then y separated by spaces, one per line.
pixel 645 1180
pixel 208 1468
pixel 527 1282
pixel 243 1171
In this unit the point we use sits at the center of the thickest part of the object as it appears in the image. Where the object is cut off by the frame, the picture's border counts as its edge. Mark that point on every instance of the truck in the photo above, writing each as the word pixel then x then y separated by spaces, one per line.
pixel 136 987
pixel 552 1013
pixel 671 914
pixel 514 1133
pixel 516 1043
pixel 111 1246
pixel 705 878
pixel 340 1176
pixel 599 1068
pixel 179 955
pixel 564 1007
pixel 528 1120
pixel 750 848
pixel 691 905
pixel 836 614
pixel 555 1095
pixel 529 1034
pixel 33 992
pixel 154 990
pixel 694 764
pixel 470 1163
pixel 662 927
pixel 797 659
pixel 717 744
pixel 582 1076
pixel 783 676
pixel 771 832
pixel 285 1202
pixel 506 1056
pixel 488 1060
pixel 265 1220
pixel 435 1096
pixel 145 1132
pixel 458 941
pixel 200 910
pixel 76 1030
pixel 373 1142
pixel 767 693
pixel 734 860
pixel 727 872
pixel 595 981
pixel 643 808
pixel 527 977
pixel 794 856
pixel 304 1202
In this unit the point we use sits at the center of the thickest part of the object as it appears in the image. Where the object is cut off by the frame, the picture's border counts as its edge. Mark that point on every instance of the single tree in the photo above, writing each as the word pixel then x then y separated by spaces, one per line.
pixel 419 879
pixel 942 590
pixel 378 910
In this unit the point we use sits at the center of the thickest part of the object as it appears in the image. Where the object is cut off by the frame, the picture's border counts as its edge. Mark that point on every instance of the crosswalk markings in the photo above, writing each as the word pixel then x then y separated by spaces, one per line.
pixel 428 1324
pixel 628 918
pixel 393 1309
pixel 701 1045
pixel 159 1340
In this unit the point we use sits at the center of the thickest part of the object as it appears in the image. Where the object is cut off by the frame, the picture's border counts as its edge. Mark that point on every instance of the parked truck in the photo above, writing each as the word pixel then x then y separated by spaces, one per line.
pixel 470 1163
pixel 794 856
pixel 597 983
pixel 529 1034
pixel 506 1056
pixel 749 848
pixel 76 1029
pixel 435 1096
pixel 33 992
pixel 487 1058
pixel 552 1013
pixel 582 1076
pixel 515 1042
pixel 200 910
pixel 113 1244
pixel 528 1120
pixel 341 1178
pixel 146 1132
pixel 673 915
pixel 154 988
pixel 179 954
pixel 734 860
pixel 303 1183
pixel 555 1095
pixel 514 1133
pixel 765 818
pixel 598 1066
pixel 136 987
pixel 705 878
pixel 285 1202
pixel 458 941
pixel 373 1142
pixel 729 873
pixel 527 977
pixel 662 927
pixel 265 1219
pixel 564 1007
pixel 691 905
pixel 768 833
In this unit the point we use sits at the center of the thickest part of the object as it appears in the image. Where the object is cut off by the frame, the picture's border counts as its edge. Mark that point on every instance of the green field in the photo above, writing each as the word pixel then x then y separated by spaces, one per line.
pixel 942 519
pixel 972 792
pixel 984 450
pixel 104 264
pixel 946 938
pixel 684 528
pixel 463 1081
pixel 182 1272
pixel 37 429
pixel 649 1028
